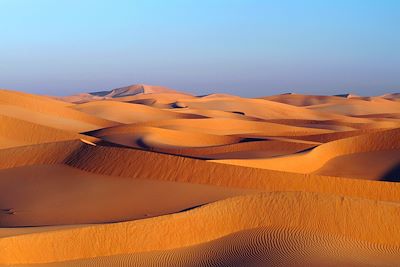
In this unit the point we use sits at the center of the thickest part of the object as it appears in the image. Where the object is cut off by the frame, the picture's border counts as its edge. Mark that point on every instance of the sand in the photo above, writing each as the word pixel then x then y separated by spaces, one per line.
pixel 149 176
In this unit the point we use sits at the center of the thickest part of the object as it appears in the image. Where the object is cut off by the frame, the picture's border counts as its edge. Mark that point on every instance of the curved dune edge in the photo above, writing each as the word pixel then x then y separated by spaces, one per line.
pixel 138 164
pixel 245 149
pixel 260 108
pixel 191 133
pixel 153 137
pixel 356 107
pixel 350 105
pixel 231 126
pixel 13 132
pixel 381 166
pixel 48 112
pixel 302 212
pixel 329 137
pixel 128 112
pixel 263 246
pixel 339 125
pixel 45 195
pixel 317 157
pixel 45 153
pixel 353 218
pixel 210 113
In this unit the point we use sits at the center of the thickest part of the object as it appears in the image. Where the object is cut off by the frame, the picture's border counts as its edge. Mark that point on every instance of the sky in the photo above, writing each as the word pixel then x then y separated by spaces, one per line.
pixel 248 47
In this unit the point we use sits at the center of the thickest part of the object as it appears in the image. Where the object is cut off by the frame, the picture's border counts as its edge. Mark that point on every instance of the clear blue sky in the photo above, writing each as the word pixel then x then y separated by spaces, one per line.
pixel 247 47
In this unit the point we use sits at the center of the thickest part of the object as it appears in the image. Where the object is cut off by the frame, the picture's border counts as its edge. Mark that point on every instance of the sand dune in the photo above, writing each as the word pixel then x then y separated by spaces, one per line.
pixel 214 113
pixel 137 164
pixel 134 90
pixel 349 105
pixel 154 137
pixel 127 112
pixel 257 108
pixel 121 94
pixel 91 198
pixel 381 165
pixel 230 126
pixel 149 176
pixel 13 132
pixel 305 100
pixel 374 106
pixel 257 247
pixel 289 210
pixel 249 149
pixel 191 133
pixel 47 112
pixel 310 161
pixel 393 96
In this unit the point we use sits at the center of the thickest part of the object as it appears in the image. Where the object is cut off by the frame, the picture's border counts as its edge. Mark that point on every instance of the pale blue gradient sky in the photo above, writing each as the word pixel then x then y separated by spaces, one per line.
pixel 247 47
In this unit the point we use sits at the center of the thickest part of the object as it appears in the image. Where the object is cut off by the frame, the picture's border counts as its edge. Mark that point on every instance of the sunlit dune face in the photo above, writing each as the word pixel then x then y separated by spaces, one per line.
pixel 146 175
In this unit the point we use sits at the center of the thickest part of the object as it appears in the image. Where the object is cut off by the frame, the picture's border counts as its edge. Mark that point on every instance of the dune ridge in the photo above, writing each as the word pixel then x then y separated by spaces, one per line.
pixel 255 247
pixel 133 163
pixel 306 163
pixel 330 215
pixel 150 176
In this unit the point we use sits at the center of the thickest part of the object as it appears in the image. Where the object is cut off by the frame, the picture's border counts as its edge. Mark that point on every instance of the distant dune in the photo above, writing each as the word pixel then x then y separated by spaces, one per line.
pixel 149 176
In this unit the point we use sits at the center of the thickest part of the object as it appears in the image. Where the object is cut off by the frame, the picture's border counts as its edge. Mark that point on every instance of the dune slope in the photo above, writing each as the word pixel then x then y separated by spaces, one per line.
pixel 293 210
pixel 149 176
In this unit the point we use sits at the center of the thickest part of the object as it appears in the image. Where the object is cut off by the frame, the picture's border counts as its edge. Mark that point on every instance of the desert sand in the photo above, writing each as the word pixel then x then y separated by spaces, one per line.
pixel 150 176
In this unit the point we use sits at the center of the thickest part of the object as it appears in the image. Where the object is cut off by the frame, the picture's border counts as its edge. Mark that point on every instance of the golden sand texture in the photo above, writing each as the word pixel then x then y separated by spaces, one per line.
pixel 263 246
pixel 149 176
pixel 354 218
pixel 317 157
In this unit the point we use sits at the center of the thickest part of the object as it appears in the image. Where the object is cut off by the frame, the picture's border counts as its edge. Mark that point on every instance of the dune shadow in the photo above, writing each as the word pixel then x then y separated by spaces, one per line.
pixel 393 175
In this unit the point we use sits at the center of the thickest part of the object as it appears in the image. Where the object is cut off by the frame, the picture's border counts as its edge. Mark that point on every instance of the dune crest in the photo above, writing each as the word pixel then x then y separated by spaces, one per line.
pixel 146 175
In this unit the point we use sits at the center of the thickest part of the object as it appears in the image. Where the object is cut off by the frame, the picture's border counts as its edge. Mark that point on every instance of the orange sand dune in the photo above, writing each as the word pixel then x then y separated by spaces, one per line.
pixel 154 137
pixel 250 149
pixel 47 112
pixel 330 215
pixel 122 94
pixel 359 107
pixel 257 108
pixel 137 164
pixel 381 116
pixel 15 132
pixel 328 137
pixel 91 198
pixel 305 100
pixel 191 133
pixel 317 157
pixel 214 113
pixel 46 153
pixel 128 113
pixel 350 105
pixel 135 90
pixel 382 165
pixel 228 126
pixel 162 100
pixel 149 176
pixel 336 125
pixel 211 96
pixel 257 247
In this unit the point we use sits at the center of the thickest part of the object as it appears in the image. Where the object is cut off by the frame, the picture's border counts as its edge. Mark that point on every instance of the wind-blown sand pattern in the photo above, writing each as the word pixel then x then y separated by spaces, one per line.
pixel 149 176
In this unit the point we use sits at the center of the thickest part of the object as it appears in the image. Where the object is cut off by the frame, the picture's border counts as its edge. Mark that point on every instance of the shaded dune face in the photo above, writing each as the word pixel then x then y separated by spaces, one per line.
pixel 324 154
pixel 149 176
pixel 92 198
